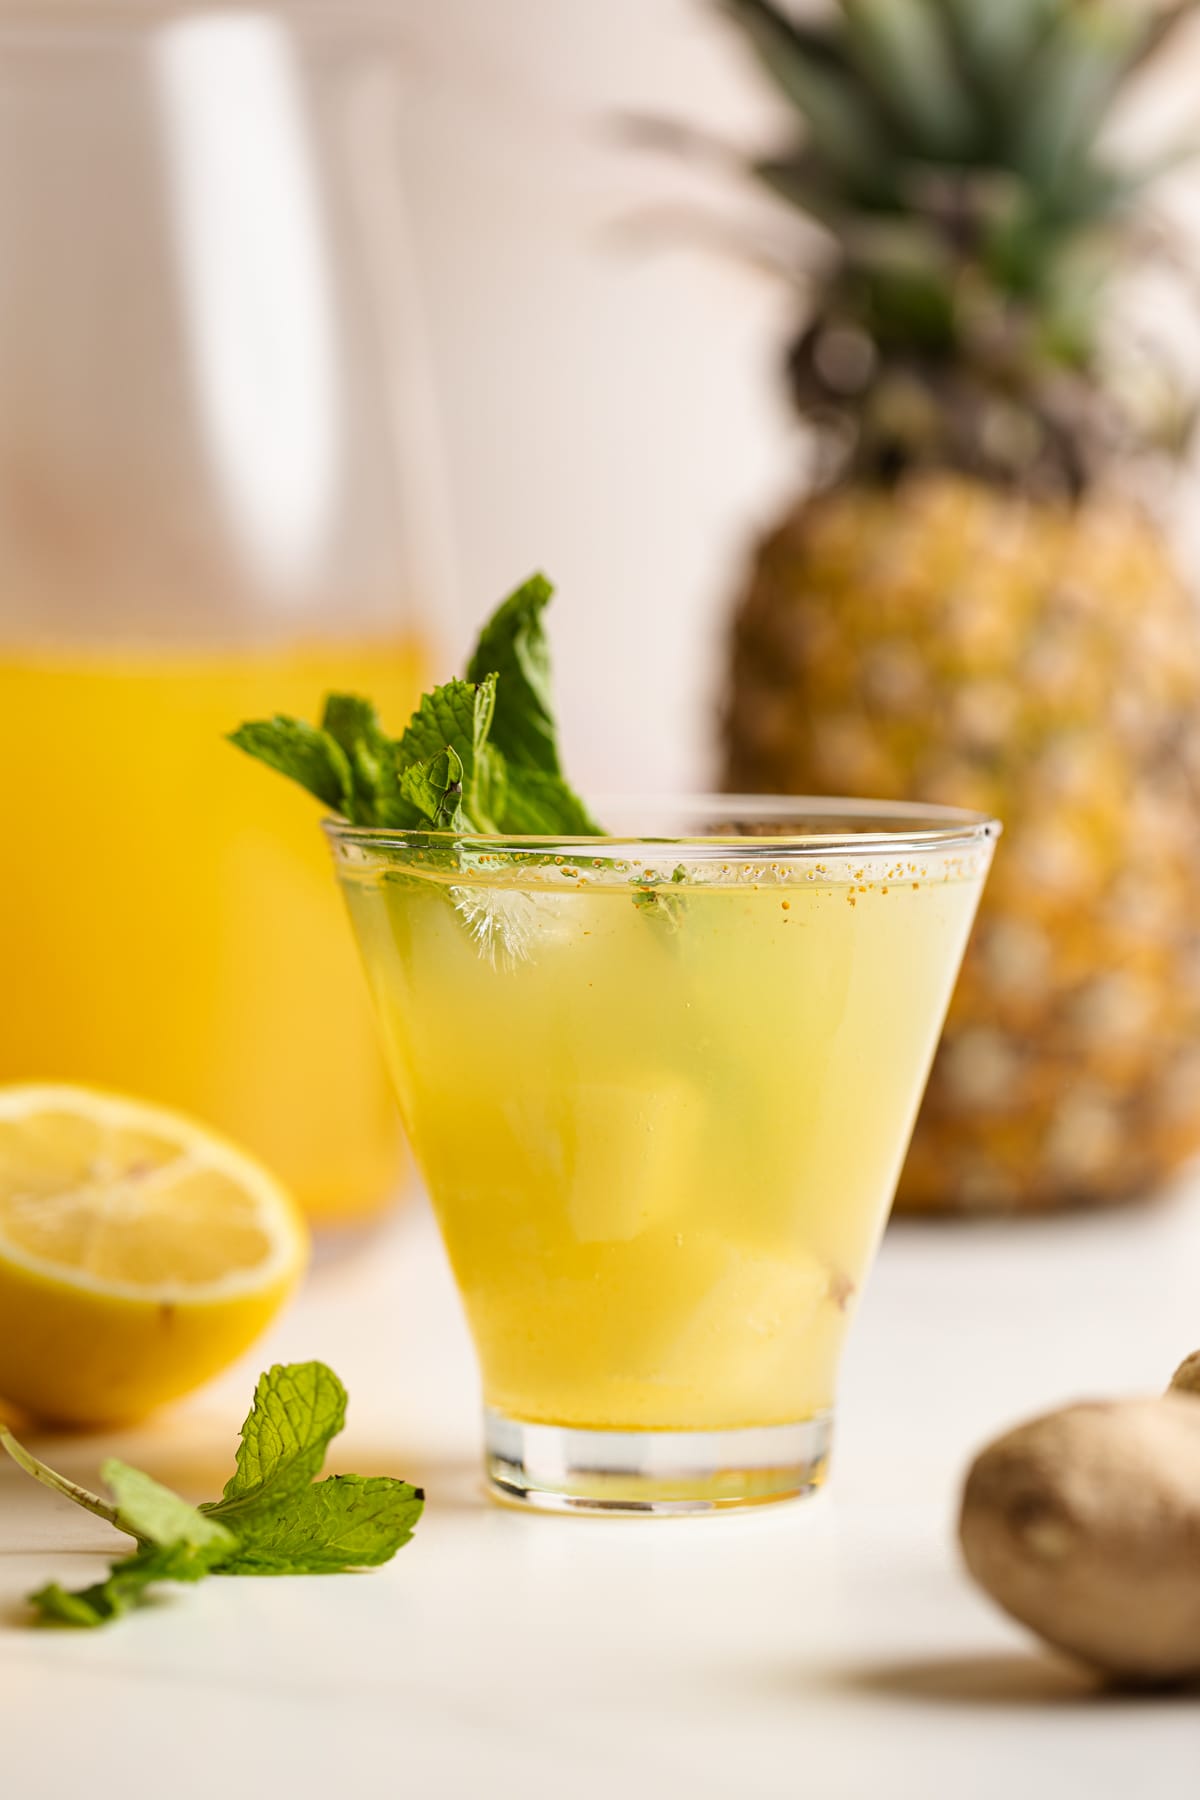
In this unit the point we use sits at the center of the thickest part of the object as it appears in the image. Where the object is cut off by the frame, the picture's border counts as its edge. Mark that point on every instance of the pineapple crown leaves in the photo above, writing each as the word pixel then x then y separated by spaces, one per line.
pixel 889 89
pixel 951 151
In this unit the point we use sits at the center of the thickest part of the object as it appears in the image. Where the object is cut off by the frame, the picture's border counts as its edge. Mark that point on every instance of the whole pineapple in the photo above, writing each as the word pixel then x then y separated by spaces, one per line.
pixel 970 606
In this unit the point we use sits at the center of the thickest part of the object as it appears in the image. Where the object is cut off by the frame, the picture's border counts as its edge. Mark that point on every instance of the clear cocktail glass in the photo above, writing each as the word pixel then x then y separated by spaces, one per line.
pixel 661 1087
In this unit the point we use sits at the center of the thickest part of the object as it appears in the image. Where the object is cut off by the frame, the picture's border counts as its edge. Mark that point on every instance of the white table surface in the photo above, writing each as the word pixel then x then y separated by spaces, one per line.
pixel 830 1647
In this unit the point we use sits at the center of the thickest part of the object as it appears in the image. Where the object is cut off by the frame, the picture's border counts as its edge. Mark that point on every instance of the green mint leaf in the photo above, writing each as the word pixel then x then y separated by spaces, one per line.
pixel 456 716
pixel 513 646
pixel 56 1605
pixel 124 1586
pixel 491 786
pixel 298 1410
pixel 435 790
pixel 354 724
pixel 375 763
pixel 498 723
pixel 345 1522
pixel 654 902
pixel 153 1514
pixel 305 755
pixel 543 805
pixel 274 1518
pixel 284 1522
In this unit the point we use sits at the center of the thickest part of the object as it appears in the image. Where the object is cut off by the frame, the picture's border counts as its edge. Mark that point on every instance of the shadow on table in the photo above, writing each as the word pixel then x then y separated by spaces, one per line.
pixel 1001 1680
pixel 337 1249
pixel 450 1484
pixel 199 1466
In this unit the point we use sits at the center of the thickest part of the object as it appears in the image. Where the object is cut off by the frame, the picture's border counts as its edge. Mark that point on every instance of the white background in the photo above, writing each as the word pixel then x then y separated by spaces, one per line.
pixel 608 395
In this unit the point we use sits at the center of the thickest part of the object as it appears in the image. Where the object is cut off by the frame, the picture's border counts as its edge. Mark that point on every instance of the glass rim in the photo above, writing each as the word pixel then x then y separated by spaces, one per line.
pixel 919 827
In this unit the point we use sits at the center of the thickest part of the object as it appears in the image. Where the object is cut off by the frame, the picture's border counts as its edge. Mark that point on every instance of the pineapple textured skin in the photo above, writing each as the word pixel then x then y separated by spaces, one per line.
pixel 945 640
pixel 971 608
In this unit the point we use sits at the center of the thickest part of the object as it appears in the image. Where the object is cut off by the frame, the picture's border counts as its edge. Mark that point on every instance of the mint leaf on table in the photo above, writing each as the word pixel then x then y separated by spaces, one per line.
pixel 298 1410
pixel 123 1588
pixel 274 1517
pixel 346 1521
pixel 284 1520
pixel 156 1516
pixel 177 1543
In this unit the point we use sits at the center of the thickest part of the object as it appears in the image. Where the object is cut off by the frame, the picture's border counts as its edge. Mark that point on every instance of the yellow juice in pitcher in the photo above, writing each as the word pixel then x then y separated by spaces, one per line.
pixel 167 921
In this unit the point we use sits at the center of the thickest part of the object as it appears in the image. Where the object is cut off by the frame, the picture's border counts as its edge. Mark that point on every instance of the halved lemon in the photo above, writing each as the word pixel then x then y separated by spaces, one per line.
pixel 140 1253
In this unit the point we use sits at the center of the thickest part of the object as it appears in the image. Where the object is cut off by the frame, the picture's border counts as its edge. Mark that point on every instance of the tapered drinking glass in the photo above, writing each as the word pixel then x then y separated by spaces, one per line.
pixel 660 1088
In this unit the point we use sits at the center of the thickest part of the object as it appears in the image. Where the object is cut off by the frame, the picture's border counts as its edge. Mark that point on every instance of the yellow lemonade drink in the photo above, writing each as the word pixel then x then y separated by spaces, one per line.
pixel 166 918
pixel 661 1126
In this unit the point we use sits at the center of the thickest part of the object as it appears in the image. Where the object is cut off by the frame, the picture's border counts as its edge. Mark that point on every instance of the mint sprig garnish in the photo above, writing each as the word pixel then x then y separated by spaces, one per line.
pixel 313 757
pixel 274 1518
pixel 480 755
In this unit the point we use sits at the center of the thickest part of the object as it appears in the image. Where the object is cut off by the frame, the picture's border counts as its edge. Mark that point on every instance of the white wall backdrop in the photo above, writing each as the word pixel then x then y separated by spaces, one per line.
pixel 611 410
pixel 608 405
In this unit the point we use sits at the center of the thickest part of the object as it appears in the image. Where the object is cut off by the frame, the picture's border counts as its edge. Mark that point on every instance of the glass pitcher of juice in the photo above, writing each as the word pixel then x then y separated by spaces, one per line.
pixel 216 500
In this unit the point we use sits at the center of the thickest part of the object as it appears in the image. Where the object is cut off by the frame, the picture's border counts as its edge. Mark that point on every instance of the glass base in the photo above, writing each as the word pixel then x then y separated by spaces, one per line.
pixel 558 1468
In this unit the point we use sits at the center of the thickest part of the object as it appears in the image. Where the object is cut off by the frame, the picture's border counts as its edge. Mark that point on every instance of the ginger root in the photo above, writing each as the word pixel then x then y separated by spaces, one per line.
pixel 1085 1526
pixel 1186 1379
